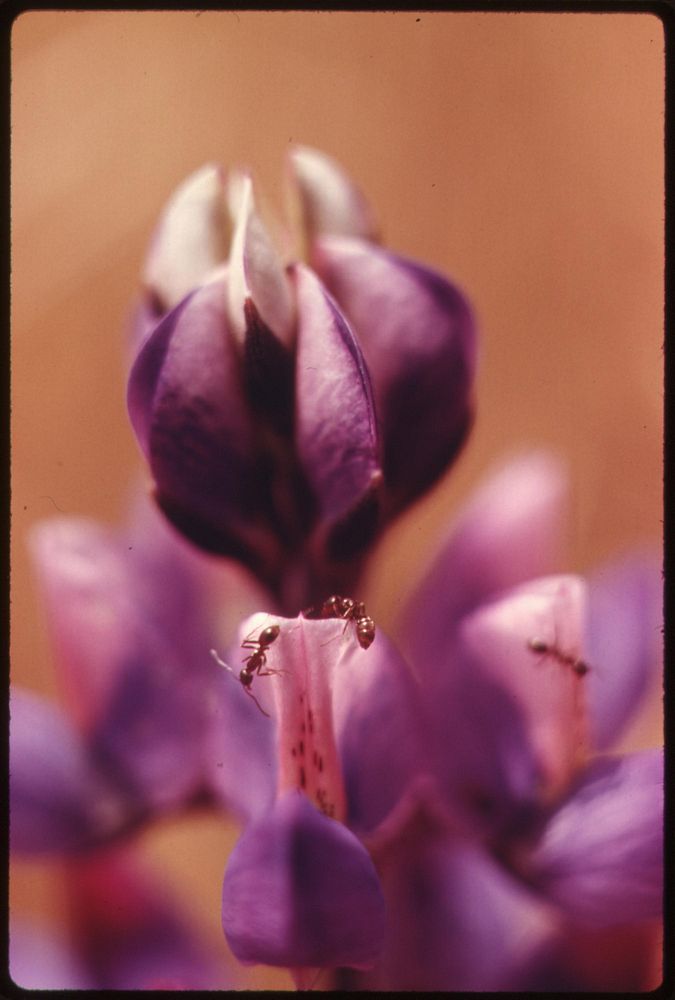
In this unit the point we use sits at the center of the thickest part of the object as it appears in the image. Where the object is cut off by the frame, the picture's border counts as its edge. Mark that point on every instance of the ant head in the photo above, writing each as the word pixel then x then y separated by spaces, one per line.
pixel 245 677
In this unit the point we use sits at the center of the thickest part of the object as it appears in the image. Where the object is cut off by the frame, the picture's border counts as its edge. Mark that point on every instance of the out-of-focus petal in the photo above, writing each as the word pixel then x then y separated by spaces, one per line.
pixel 456 921
pixel 330 202
pixel 624 641
pixel 40 960
pixel 417 335
pixel 335 429
pixel 191 237
pixel 600 855
pixel 126 628
pixel 546 691
pixel 508 532
pixel 59 801
pixel 131 932
pixel 187 408
pixel 300 890
pixel 257 275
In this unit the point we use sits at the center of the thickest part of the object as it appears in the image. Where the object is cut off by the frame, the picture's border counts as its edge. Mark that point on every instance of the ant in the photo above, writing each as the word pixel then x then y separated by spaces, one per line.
pixel 579 666
pixel 350 610
pixel 254 663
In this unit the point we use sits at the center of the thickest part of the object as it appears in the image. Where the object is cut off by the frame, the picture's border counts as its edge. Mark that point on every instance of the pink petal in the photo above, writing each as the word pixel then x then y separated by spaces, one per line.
pixel 548 693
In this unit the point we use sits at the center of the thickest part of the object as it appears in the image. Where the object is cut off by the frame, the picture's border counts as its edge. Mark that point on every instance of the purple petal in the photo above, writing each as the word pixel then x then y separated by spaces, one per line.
pixel 456 921
pixel 624 641
pixel 381 730
pixel 300 890
pixel 330 202
pixel 133 644
pixel 59 801
pixel 191 238
pixel 239 752
pixel 131 932
pixel 417 335
pixel 335 429
pixel 40 960
pixel 187 408
pixel 509 531
pixel 600 855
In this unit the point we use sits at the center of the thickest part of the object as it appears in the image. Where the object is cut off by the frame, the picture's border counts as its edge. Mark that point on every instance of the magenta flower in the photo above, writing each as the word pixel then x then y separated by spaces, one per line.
pixel 272 402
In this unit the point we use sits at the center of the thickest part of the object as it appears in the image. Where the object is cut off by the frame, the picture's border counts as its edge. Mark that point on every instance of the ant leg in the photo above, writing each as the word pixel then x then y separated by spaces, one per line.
pixel 221 663
pixel 267 673
pixel 251 695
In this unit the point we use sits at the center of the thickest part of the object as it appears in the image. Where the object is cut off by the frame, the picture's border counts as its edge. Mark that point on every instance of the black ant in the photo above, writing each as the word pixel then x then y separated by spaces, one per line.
pixel 350 610
pixel 579 666
pixel 254 663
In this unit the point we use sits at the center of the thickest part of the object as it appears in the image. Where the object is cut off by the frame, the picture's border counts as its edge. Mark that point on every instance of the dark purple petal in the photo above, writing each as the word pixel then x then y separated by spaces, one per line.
pixel 40 960
pixel 335 420
pixel 191 238
pixel 187 408
pixel 330 202
pixel 131 932
pixel 456 920
pixel 508 532
pixel 59 801
pixel 300 890
pixel 600 855
pixel 417 335
pixel 624 641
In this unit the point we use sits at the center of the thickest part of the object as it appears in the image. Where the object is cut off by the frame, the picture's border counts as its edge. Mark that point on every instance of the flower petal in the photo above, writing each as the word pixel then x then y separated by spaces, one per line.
pixel 187 407
pixel 380 726
pixel 335 429
pixel 257 275
pixel 59 801
pixel 624 641
pixel 191 237
pixel 600 855
pixel 132 641
pixel 509 532
pixel 456 920
pixel 417 335
pixel 300 890
pixel 544 688
pixel 330 202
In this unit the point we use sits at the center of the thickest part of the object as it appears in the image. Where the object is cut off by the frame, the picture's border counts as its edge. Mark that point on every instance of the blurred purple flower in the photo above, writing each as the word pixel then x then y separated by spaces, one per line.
pixel 132 615
pixel 473 783
pixel 122 931
pixel 273 403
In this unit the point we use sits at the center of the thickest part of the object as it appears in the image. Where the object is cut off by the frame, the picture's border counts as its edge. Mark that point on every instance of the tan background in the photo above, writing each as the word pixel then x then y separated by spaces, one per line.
pixel 520 153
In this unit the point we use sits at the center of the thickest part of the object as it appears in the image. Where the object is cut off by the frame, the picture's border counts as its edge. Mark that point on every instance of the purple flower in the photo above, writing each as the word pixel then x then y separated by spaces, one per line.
pixel 122 931
pixel 272 402
pixel 132 616
pixel 472 780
